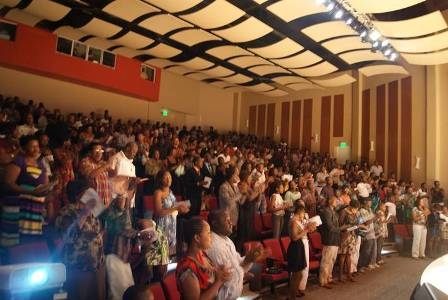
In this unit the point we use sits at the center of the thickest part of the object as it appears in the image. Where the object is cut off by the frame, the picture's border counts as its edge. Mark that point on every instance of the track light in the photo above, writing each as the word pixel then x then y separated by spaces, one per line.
pixel 349 21
pixel 393 56
pixel 363 34
pixel 388 51
pixel 385 43
pixel 319 2
pixel 330 6
pixel 339 14
pixel 374 35
pixel 376 44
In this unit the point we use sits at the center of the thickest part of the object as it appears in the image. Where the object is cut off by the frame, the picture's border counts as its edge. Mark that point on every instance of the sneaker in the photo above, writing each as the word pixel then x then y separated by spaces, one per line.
pixel 371 267
pixel 376 265
pixel 362 270
pixel 381 262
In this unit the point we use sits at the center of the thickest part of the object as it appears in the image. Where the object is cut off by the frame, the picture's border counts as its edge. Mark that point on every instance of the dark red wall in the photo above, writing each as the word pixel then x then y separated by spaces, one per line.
pixel 34 51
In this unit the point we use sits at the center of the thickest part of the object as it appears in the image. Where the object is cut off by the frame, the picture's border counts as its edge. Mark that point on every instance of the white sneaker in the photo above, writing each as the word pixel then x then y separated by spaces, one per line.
pixel 377 265
pixel 371 267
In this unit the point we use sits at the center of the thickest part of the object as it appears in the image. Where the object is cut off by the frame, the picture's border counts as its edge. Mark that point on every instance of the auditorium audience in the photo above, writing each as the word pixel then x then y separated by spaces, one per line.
pixel 244 171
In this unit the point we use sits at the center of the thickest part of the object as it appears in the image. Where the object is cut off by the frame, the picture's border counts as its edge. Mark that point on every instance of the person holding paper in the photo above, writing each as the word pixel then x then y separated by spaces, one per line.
pixel 165 208
pixel 348 220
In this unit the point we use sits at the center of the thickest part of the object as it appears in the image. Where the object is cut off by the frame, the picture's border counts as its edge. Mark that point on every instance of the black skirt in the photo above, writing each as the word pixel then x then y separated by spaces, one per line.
pixel 296 256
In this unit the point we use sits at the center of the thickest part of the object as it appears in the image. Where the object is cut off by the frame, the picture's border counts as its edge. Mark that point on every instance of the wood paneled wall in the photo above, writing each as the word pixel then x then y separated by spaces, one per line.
pixel 380 124
pixel 295 126
pixel 325 124
pixel 252 119
pixel 307 123
pixel 365 125
pixel 270 126
pixel 284 123
pixel 338 116
pixel 393 127
pixel 261 123
pixel 406 128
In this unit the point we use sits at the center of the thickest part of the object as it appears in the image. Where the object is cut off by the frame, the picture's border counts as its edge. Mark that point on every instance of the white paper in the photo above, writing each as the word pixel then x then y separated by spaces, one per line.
pixel 208 181
pixel 352 228
pixel 187 203
pixel 287 177
pixel 90 194
pixel 316 219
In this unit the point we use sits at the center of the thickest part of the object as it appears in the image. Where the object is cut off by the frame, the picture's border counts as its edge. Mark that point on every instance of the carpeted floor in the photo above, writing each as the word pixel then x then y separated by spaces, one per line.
pixel 395 280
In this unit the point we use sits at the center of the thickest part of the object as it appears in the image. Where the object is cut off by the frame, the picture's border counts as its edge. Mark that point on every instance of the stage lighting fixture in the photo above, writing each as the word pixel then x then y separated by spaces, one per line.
pixel 393 56
pixel 374 35
pixel 385 43
pixel 330 6
pixel 319 2
pixel 388 51
pixel 349 21
pixel 376 44
pixel 339 14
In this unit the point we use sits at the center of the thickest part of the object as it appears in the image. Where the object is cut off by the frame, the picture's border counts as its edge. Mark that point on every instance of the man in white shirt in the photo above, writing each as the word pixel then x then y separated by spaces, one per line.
pixel 124 180
pixel 28 128
pixel 364 189
pixel 376 169
pixel 223 252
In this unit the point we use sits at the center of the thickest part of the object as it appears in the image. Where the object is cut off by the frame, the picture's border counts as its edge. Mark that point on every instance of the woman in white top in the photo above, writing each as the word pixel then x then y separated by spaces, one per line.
pixel 419 217
pixel 277 207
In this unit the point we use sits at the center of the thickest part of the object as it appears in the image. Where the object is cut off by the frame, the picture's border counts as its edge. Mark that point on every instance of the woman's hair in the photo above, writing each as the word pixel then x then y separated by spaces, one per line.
pixel 191 228
pixel 419 200
pixel 354 203
pixel 244 174
pixel 158 181
pixel 298 208
pixel 75 188
pixel 229 172
pixel 24 140
pixel 274 186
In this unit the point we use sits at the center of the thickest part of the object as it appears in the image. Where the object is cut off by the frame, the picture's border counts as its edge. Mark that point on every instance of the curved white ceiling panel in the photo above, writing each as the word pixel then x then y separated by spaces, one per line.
pixel 19 16
pixel 426 44
pixel 301 86
pixel 218 71
pixel 100 28
pixel 72 33
pixel 298 61
pixel 261 87
pixel 224 52
pixel 382 69
pixel 125 51
pixel 339 80
pixel 134 40
pixel 174 6
pixel 342 44
pixel 192 37
pixel 354 57
pixel 161 63
pixel 436 58
pixel 164 23
pixel 275 93
pixel 217 14
pixel 129 10
pixel 197 76
pixel 264 70
pixel 237 78
pixel 381 6
pixel 290 79
pixel 248 30
pixel 280 49
pixel 163 51
pixel 323 68
pixel 248 61
pixel 197 64
pixel 419 26
pixel 290 10
pixel 323 31
pixel 47 9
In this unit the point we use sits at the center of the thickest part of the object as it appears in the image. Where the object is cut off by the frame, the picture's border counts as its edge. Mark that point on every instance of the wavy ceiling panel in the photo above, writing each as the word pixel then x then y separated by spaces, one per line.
pixel 100 43
pixel 221 84
pixel 218 71
pixel 381 6
pixel 265 70
pixel 225 52
pixel 247 30
pixel 179 70
pixel 129 10
pixel 275 93
pixel 10 3
pixel 163 51
pixel 174 6
pixel 128 52
pixel 320 69
pixel 335 81
pixel 19 16
pixel 197 76
pixel 164 23
pixel 133 40
pixel 248 61
pixel 382 69
pixel 47 9
pixel 262 87
pixel 284 80
pixel 217 14
pixel 327 30
pixel 101 28
pixel 192 37
pixel 238 79
pixel 301 60
pixel 197 64
pixel 280 49
pixel 431 43
pixel 290 10
pixel 346 43
pixel 301 86
pixel 71 33
pixel 354 57
pixel 436 58
pixel 157 62
pixel 414 27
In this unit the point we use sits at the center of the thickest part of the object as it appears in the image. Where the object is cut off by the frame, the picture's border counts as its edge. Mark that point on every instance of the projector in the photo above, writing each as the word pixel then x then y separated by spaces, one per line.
pixel 31 277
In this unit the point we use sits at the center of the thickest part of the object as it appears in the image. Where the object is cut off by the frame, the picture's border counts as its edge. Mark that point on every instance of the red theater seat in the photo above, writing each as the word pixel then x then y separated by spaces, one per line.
pixel 170 287
pixel 276 250
pixel 148 203
pixel 259 229
pixel 284 242
pixel 266 218
pixel 156 289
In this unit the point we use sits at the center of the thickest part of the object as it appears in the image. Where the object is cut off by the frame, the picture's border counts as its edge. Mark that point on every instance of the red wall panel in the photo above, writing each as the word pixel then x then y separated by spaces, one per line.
pixel 284 131
pixel 295 126
pixel 380 124
pixel 307 123
pixel 34 51
pixel 325 124
pixel 338 116
pixel 365 126
pixel 406 128
pixel 261 123
pixel 393 127
pixel 270 126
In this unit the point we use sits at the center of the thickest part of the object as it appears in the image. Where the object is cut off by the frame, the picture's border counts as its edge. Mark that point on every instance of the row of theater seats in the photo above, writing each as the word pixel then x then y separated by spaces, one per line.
pixel 167 289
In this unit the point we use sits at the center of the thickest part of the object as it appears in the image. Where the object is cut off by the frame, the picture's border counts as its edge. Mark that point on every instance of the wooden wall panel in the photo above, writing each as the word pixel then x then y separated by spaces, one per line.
pixel 284 123
pixel 261 123
pixel 307 123
pixel 325 124
pixel 380 146
pixel 393 127
pixel 252 118
pixel 406 128
pixel 338 116
pixel 365 125
pixel 270 126
pixel 296 123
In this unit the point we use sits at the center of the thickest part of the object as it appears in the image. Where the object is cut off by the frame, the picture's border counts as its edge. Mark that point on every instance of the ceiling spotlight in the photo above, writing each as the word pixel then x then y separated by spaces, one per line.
pixel 319 2
pixel 374 35
pixel 330 6
pixel 388 51
pixel 393 56
pixel 349 21
pixel 376 44
pixel 339 14
pixel 385 43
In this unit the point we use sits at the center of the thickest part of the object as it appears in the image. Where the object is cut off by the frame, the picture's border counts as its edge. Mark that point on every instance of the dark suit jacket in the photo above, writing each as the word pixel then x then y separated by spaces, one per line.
pixel 193 191
pixel 329 229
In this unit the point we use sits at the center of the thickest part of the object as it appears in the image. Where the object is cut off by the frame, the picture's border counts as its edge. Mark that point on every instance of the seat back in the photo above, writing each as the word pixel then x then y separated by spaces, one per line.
pixel 258 224
pixel 148 203
pixel 250 245
pixel 157 290
pixel 284 242
pixel 276 249
pixel 213 203
pixel 170 287
pixel 402 231
pixel 315 240
pixel 266 218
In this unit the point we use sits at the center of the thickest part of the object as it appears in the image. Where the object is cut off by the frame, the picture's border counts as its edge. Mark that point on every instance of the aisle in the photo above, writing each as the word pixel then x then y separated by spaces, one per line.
pixel 395 280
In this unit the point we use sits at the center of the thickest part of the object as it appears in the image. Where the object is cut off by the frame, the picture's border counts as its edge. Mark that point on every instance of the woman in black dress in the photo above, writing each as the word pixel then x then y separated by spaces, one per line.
pixel 296 251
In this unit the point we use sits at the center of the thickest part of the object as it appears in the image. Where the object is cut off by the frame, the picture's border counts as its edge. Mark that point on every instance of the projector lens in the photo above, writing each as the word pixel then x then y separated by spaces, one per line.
pixel 38 277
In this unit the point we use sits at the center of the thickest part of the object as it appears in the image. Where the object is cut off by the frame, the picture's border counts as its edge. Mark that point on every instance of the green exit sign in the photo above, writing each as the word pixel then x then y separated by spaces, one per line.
pixel 342 145
pixel 165 112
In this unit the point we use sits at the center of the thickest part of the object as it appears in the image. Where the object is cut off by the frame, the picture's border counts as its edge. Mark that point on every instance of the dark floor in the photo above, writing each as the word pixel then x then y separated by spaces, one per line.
pixel 395 280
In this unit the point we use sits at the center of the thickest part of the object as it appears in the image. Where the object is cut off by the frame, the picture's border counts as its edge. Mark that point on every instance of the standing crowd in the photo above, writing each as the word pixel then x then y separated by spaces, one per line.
pixel 84 180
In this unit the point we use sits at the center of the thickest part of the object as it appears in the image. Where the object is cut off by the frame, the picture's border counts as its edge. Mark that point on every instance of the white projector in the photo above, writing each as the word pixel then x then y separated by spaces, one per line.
pixel 23 278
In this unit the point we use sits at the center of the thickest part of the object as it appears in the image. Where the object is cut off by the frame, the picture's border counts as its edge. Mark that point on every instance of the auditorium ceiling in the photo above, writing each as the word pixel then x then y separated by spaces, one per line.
pixel 270 47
